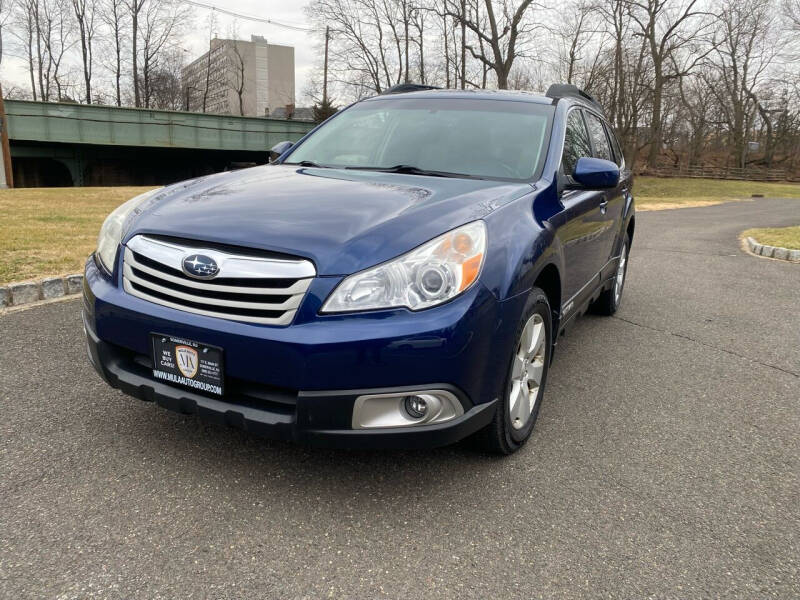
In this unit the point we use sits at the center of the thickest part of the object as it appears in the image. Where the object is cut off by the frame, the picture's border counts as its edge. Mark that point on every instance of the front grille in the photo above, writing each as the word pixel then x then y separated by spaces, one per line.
pixel 248 287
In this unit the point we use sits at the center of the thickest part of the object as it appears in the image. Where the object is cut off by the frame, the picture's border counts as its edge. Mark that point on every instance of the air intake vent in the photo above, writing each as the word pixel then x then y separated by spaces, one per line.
pixel 245 288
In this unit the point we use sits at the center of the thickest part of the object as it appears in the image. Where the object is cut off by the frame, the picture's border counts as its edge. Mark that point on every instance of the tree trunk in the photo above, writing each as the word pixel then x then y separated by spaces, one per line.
pixel 655 121
pixel 135 34
pixel 463 44
pixel 406 18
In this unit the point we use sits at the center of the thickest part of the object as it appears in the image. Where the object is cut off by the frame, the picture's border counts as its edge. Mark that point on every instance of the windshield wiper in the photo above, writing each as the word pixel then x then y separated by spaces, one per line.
pixel 307 163
pixel 410 170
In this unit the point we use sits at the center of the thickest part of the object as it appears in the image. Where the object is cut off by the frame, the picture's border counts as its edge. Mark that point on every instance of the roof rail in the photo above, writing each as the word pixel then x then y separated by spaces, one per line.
pixel 404 88
pixel 561 90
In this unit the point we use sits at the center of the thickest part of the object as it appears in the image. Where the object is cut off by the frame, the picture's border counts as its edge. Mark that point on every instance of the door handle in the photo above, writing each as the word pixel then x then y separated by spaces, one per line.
pixel 603 206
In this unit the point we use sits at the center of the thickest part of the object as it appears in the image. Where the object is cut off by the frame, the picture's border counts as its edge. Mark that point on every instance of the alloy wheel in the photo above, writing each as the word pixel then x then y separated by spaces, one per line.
pixel 527 371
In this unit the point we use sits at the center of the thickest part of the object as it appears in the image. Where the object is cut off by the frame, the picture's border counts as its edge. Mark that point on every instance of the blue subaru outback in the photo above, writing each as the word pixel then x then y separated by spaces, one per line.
pixel 397 278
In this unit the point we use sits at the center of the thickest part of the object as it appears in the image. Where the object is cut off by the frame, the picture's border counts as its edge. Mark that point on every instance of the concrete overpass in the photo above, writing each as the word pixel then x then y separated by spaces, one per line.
pixel 55 144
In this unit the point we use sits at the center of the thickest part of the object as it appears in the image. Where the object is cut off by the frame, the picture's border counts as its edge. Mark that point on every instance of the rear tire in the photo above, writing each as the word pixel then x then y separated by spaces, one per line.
pixel 526 377
pixel 609 300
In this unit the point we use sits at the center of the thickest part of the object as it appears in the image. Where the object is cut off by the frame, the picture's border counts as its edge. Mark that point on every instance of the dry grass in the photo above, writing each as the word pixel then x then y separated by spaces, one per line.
pixel 51 231
pixel 657 193
pixel 782 237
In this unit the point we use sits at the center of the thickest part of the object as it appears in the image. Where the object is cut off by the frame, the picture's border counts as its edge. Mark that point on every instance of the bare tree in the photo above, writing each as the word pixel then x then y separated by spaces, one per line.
pixel 418 15
pixel 135 8
pixel 581 41
pixel 114 14
pixel 668 27
pixel 792 12
pixel 236 72
pixel 159 27
pixel 503 36
pixel 165 90
pixel 27 32
pixel 44 30
pixel 361 55
pixel 5 14
pixel 744 52
pixel 85 11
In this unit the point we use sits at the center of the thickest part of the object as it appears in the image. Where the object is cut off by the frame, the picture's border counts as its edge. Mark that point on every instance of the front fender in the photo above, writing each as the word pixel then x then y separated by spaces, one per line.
pixel 520 246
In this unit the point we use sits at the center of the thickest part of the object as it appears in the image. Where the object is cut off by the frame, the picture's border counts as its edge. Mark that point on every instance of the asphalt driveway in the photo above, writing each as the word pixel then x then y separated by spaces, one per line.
pixel 665 463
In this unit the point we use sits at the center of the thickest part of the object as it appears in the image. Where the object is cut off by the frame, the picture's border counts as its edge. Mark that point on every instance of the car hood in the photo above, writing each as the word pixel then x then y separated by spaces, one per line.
pixel 342 220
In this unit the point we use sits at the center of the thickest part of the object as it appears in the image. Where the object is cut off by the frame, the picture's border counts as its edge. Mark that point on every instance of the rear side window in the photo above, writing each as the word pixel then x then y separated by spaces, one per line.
pixel 576 142
pixel 602 149
pixel 615 147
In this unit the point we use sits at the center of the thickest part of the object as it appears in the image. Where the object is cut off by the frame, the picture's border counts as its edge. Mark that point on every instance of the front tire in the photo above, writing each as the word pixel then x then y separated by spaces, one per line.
pixel 526 378
pixel 608 302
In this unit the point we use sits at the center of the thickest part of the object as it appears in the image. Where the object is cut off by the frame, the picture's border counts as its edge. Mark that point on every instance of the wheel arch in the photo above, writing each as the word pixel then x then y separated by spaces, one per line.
pixel 549 281
pixel 630 229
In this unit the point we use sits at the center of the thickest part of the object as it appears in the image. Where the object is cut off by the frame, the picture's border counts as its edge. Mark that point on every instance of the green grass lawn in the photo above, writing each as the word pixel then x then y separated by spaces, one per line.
pixel 656 193
pixel 51 231
pixel 782 237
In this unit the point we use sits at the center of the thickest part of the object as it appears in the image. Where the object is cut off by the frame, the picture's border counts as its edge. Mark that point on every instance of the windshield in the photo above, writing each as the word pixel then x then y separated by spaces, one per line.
pixel 492 139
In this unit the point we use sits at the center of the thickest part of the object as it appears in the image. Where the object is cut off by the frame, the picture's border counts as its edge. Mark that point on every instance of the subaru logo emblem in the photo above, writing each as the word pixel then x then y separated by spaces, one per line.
pixel 200 266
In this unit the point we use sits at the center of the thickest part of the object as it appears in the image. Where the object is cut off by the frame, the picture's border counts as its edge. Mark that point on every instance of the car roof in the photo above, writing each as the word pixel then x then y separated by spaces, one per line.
pixel 507 95
pixel 504 95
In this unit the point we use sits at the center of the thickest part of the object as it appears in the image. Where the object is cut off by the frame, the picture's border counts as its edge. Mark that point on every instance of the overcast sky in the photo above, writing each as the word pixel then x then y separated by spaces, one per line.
pixel 196 40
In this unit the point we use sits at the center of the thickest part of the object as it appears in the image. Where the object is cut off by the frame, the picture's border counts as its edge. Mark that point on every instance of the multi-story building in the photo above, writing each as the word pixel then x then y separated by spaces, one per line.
pixel 237 77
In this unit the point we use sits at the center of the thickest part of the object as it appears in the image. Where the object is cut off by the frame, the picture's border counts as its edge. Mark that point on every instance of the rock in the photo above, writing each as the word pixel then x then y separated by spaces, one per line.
pixel 793 255
pixel 781 253
pixel 5 297
pixel 52 287
pixel 766 250
pixel 74 283
pixel 25 293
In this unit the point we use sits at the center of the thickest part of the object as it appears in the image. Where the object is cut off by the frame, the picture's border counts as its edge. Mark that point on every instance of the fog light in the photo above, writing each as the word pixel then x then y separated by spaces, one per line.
pixel 420 407
pixel 416 406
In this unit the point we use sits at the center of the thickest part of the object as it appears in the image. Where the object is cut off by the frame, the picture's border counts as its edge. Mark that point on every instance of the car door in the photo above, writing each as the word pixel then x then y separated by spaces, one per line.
pixel 580 226
pixel 625 177
pixel 612 206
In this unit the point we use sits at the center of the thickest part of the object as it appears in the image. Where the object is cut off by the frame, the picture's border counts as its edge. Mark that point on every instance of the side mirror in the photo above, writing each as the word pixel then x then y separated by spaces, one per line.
pixel 279 149
pixel 596 173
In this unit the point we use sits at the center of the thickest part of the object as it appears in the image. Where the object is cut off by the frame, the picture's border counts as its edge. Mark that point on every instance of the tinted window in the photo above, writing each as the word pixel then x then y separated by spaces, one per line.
pixel 615 146
pixel 479 138
pixel 602 149
pixel 576 142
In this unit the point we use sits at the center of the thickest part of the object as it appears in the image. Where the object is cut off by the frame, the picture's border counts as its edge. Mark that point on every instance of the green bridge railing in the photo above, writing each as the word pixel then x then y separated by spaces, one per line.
pixel 114 126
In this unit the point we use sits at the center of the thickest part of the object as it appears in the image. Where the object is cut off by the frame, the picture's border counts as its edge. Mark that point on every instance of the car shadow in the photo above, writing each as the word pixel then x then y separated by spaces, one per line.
pixel 244 460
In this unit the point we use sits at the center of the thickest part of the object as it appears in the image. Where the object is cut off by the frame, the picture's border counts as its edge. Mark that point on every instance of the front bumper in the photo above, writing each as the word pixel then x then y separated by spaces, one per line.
pixel 314 418
pixel 299 383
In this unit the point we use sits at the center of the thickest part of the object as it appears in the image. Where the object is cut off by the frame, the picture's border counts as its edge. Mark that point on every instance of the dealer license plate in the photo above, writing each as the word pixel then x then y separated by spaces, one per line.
pixel 188 363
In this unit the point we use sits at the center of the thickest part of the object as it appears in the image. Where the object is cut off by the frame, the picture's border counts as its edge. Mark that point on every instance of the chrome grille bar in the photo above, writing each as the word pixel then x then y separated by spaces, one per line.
pixel 247 288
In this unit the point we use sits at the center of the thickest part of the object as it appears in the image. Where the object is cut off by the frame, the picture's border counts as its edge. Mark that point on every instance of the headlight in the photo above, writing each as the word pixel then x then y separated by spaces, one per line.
pixel 114 228
pixel 433 273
